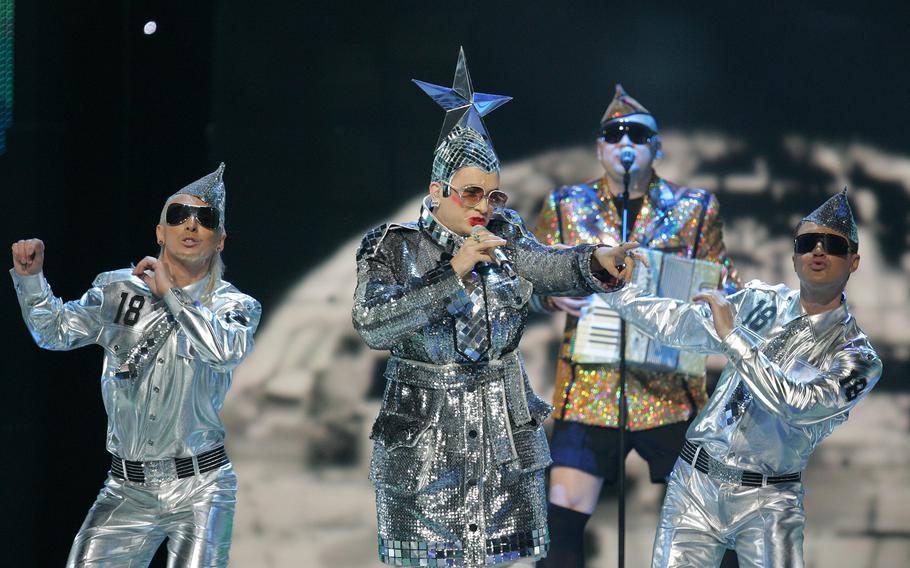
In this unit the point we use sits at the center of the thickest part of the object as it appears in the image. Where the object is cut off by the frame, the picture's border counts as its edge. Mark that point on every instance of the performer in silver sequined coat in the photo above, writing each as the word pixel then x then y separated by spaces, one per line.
pixel 172 332
pixel 798 363
pixel 459 450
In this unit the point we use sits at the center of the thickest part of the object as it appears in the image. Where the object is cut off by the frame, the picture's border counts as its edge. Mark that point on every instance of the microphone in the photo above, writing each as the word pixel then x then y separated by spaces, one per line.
pixel 498 255
pixel 627 158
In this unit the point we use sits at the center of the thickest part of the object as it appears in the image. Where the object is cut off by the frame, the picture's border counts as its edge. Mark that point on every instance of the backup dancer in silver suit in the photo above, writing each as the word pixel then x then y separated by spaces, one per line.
pixel 459 450
pixel 172 332
pixel 798 362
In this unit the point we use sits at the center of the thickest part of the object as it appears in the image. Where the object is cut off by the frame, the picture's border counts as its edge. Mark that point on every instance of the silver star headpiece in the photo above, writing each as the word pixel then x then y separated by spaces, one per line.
pixel 835 213
pixel 209 188
pixel 463 106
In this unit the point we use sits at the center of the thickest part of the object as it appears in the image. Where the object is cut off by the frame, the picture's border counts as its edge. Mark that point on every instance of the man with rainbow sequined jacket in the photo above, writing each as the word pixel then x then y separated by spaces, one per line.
pixel 797 364
pixel 172 331
pixel 459 449
pixel 664 216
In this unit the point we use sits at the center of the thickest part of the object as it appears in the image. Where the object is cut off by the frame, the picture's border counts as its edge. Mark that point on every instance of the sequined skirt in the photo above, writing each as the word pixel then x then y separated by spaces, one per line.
pixel 458 461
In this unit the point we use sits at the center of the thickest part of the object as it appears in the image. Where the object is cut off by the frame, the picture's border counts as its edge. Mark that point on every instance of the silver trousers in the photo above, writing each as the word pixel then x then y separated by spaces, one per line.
pixel 129 521
pixel 701 517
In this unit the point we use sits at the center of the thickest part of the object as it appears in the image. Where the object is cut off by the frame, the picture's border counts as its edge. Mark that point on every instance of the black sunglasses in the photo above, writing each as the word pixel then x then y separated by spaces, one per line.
pixel 612 132
pixel 205 215
pixel 832 244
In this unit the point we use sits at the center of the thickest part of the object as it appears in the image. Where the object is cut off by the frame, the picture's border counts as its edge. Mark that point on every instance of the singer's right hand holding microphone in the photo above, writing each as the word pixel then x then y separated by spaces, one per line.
pixel 475 250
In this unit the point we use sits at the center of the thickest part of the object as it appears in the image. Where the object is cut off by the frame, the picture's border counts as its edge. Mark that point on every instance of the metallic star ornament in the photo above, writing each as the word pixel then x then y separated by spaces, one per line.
pixel 462 105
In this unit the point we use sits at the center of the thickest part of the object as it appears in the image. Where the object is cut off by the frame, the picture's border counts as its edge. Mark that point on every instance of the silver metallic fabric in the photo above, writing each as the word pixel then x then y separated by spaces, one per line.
pixel 835 213
pixel 459 450
pixel 791 378
pixel 162 398
pixel 702 517
pixel 129 521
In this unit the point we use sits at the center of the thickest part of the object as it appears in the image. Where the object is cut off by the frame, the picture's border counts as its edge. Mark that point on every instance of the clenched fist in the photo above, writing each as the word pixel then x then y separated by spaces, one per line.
pixel 28 257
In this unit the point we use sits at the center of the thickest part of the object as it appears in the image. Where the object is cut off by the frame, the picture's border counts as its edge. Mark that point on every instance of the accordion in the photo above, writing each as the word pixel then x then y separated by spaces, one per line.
pixel 669 276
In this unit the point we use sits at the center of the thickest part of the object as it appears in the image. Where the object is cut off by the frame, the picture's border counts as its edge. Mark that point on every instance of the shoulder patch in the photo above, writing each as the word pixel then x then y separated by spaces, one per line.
pixel 509 216
pixel 371 241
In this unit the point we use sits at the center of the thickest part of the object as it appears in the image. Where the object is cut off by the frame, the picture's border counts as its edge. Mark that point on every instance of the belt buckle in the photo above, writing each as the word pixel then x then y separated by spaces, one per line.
pixel 159 471
pixel 724 473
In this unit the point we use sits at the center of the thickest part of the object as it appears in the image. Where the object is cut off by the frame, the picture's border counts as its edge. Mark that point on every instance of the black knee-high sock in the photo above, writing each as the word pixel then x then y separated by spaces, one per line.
pixel 567 530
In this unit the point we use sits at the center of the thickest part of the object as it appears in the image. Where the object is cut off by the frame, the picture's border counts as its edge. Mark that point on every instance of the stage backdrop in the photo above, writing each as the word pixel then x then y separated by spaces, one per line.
pixel 324 136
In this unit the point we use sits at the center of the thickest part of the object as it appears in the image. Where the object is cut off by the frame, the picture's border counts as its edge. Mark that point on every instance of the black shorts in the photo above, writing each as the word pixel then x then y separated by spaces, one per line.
pixel 595 449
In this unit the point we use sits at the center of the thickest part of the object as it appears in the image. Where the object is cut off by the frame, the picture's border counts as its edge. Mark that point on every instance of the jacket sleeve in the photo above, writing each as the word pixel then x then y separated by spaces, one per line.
pixel 555 270
pixel 53 323
pixel 387 308
pixel 223 334
pixel 674 323
pixel 853 372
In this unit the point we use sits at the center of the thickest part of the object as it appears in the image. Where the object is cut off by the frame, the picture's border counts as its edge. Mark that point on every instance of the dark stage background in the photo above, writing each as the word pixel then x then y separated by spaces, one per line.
pixel 312 109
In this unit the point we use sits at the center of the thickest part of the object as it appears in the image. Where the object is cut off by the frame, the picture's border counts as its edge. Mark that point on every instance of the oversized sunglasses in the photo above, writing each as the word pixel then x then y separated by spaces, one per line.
pixel 832 244
pixel 471 195
pixel 205 215
pixel 638 133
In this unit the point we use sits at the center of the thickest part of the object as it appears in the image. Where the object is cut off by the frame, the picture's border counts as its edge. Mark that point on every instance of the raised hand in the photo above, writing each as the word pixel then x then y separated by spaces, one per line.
pixel 476 248
pixel 721 310
pixel 155 274
pixel 28 256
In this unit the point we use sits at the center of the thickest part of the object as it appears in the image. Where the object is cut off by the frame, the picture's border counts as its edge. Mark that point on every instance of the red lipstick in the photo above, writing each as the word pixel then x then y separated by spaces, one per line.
pixel 475 221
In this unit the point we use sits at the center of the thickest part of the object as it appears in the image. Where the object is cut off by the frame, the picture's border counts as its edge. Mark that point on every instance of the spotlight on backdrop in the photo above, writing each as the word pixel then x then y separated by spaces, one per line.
pixel 150 27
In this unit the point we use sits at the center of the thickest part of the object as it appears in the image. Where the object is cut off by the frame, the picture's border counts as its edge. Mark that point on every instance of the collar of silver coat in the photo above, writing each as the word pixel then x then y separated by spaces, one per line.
pixel 835 213
pixel 819 323
pixel 433 228
pixel 209 188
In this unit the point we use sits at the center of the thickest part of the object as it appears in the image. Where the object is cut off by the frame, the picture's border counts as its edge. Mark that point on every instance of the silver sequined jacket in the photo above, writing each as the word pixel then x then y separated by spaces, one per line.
pixel 791 378
pixel 183 352
pixel 459 450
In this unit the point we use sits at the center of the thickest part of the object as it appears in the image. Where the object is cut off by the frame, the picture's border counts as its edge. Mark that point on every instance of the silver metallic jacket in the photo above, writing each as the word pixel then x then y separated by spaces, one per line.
pixel 459 450
pixel 791 378
pixel 167 361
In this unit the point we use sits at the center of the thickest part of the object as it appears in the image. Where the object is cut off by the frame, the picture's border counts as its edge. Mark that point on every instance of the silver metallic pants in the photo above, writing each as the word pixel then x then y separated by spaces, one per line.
pixel 701 517
pixel 129 521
